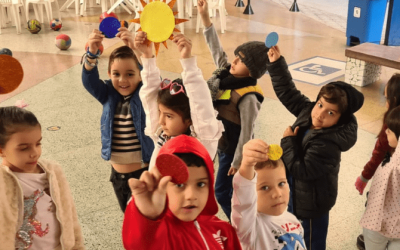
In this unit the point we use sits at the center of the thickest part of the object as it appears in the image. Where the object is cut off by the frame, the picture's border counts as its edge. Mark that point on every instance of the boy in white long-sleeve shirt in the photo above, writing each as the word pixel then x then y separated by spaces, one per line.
pixel 259 203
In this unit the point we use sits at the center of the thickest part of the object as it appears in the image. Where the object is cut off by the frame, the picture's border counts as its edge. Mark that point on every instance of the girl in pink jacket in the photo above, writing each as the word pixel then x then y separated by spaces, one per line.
pixel 381 219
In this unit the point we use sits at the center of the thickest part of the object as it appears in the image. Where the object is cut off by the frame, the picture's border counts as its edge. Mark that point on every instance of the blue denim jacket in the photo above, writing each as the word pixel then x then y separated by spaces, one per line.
pixel 105 93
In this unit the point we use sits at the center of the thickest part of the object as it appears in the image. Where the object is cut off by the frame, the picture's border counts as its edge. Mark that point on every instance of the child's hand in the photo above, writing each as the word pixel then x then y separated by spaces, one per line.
pixel 202 8
pixel 184 45
pixel 232 171
pixel 127 37
pixel 273 54
pixel 150 193
pixel 290 132
pixel 143 45
pixel 94 41
pixel 254 151
pixel 360 185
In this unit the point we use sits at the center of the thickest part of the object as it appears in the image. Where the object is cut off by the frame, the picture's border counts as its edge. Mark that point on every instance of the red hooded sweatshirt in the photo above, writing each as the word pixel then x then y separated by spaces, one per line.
pixel 169 232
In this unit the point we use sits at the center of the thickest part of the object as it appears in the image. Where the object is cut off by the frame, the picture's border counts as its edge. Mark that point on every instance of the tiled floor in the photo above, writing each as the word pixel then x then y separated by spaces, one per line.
pixel 52 87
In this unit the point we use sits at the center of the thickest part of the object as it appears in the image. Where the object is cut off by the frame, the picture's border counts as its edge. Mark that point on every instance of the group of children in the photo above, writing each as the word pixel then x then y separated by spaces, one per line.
pixel 271 204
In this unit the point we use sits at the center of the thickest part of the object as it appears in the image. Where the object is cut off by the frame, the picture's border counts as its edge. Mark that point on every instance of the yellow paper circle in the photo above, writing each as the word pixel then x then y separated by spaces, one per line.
pixel 274 152
pixel 158 21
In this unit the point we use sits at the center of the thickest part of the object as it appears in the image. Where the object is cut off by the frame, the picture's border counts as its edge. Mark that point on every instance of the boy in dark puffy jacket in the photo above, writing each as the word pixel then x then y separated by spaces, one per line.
pixel 313 145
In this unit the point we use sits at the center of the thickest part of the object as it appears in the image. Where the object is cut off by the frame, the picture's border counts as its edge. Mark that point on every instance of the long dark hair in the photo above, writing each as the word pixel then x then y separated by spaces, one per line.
pixel 393 121
pixel 178 103
pixel 13 120
pixel 392 96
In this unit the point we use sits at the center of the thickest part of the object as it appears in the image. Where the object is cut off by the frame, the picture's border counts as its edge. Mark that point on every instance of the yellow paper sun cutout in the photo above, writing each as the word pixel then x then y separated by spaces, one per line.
pixel 158 21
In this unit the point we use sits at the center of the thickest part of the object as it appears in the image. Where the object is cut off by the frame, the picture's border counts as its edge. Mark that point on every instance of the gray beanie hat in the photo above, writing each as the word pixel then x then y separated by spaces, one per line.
pixel 254 56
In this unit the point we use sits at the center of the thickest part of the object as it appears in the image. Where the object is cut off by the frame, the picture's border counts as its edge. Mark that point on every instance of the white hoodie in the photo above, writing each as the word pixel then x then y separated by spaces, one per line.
pixel 258 231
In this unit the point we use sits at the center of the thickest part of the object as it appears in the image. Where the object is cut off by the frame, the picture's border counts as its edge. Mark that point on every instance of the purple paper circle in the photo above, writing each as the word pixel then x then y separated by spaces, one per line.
pixel 109 26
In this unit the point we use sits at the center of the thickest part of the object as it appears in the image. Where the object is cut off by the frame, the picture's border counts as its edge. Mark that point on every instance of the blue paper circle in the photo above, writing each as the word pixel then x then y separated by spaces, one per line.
pixel 109 26
pixel 272 39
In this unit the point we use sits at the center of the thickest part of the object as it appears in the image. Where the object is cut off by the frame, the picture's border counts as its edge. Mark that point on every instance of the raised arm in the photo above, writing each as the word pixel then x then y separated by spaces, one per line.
pixel 90 75
pixel 206 126
pixel 151 83
pixel 283 84
pixel 244 199
pixel 129 40
pixel 142 216
pixel 217 52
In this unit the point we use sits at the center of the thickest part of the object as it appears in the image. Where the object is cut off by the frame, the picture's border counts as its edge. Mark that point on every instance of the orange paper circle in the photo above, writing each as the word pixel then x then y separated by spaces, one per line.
pixel 274 152
pixel 11 74
pixel 158 21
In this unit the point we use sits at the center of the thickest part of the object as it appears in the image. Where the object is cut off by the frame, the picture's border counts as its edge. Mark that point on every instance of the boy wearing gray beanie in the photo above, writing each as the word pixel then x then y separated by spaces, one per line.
pixel 237 97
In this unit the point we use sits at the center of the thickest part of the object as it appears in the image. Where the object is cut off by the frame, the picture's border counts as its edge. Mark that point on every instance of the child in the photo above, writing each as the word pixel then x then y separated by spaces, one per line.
pixel 259 203
pixel 179 109
pixel 382 148
pixel 312 152
pixel 381 220
pixel 237 98
pixel 124 143
pixel 36 206
pixel 166 215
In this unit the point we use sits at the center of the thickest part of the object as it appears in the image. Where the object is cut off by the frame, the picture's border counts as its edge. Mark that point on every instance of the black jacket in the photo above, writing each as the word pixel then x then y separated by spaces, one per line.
pixel 313 158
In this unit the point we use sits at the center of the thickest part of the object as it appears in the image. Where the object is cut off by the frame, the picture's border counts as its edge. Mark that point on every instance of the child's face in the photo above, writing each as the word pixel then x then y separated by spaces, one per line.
pixel 272 190
pixel 125 75
pixel 171 122
pixel 187 200
pixel 392 139
pixel 22 151
pixel 239 69
pixel 324 114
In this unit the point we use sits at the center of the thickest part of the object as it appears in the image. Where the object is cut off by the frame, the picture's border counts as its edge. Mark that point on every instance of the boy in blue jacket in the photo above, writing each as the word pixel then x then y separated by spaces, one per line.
pixel 123 121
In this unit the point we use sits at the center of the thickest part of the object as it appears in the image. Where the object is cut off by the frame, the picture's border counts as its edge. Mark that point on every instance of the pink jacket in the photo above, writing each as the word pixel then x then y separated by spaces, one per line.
pixel 383 207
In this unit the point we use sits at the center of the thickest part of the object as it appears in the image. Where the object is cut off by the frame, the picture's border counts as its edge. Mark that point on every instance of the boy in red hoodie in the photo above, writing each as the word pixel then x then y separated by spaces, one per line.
pixel 186 220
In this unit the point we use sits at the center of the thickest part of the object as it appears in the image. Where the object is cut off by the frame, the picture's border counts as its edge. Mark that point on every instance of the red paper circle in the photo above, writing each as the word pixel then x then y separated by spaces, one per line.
pixel 171 165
